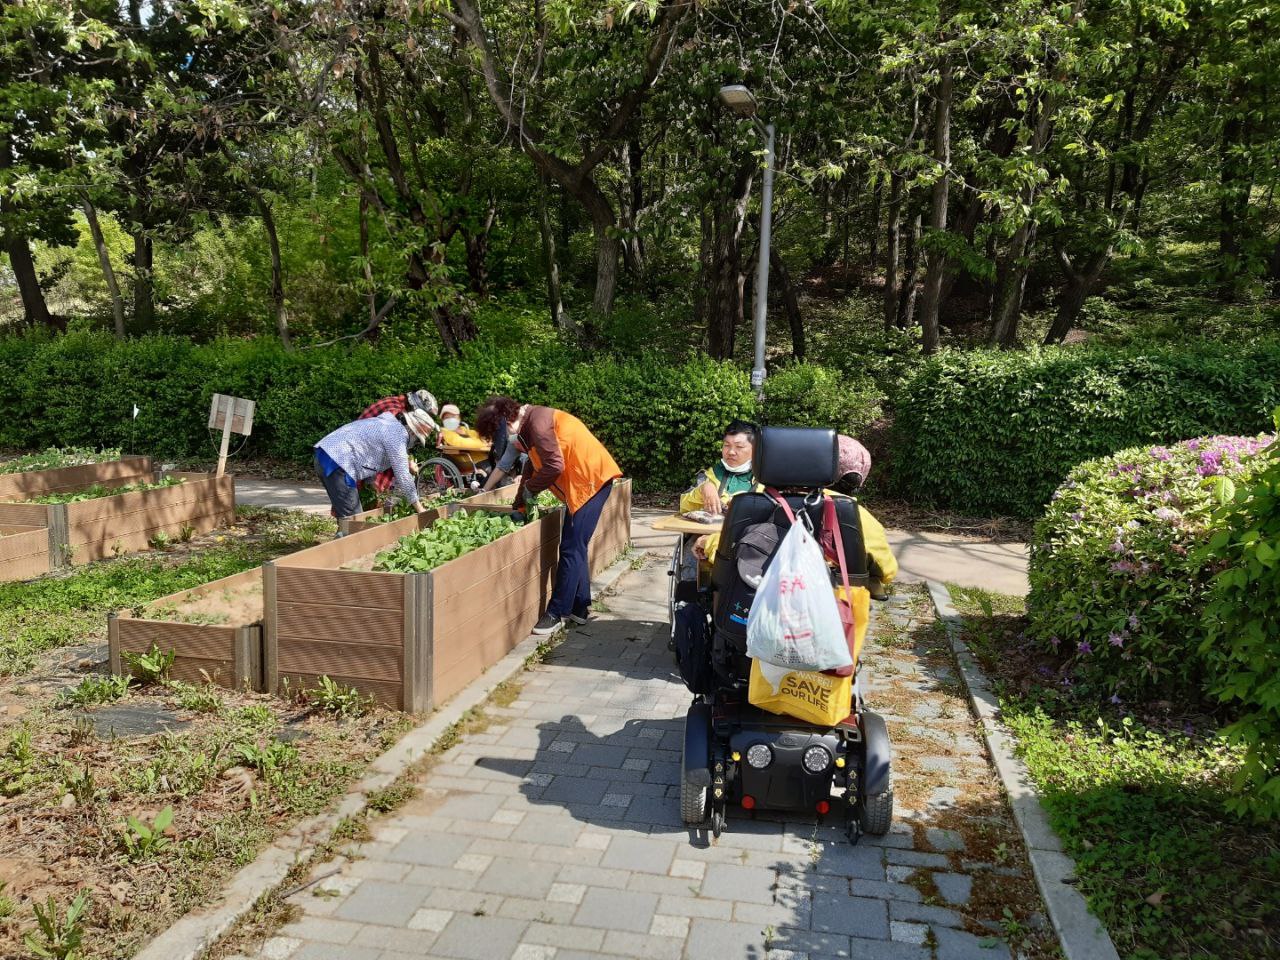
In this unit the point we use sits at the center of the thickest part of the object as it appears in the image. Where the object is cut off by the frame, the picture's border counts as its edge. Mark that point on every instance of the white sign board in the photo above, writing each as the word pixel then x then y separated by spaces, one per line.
pixel 230 415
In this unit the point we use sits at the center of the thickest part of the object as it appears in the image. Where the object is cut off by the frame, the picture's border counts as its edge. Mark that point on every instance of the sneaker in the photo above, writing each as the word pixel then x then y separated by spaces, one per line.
pixel 583 617
pixel 547 625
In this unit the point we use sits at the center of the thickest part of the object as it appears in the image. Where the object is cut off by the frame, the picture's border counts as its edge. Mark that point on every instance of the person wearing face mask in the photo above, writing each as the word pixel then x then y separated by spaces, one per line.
pixel 567 459
pixel 358 451
pixel 454 433
pixel 397 405
pixel 714 486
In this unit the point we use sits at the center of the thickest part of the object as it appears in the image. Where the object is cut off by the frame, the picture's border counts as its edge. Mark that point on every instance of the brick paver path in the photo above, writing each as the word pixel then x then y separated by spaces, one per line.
pixel 556 832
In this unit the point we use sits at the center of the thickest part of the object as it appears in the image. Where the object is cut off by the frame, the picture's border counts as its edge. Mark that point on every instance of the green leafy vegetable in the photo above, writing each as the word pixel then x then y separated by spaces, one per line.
pixel 54 457
pixel 98 491
pixel 443 541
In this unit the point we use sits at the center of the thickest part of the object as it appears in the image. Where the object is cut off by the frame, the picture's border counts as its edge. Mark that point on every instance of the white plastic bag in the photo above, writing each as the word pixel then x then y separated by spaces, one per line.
pixel 794 621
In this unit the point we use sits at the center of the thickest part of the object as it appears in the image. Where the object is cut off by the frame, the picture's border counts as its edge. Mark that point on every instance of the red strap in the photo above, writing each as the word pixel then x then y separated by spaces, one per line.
pixel 831 523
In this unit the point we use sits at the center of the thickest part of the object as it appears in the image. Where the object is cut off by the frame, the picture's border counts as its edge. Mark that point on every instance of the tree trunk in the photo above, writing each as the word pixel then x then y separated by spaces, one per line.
pixel 278 310
pixel 728 279
pixel 1011 285
pixel 935 256
pixel 555 303
pixel 476 243
pixel 607 249
pixel 34 309
pixel 104 261
pixel 144 308
pixel 877 196
pixel 790 301
pixel 634 250
pixel 1233 206
pixel 906 307
pixel 1079 287
pixel 706 250
pixel 893 237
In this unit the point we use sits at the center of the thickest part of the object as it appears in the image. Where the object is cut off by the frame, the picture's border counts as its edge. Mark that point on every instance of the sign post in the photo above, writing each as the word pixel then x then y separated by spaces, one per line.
pixel 230 415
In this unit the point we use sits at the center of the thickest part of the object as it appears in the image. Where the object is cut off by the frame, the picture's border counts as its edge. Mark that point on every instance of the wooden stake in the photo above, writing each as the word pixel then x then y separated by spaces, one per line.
pixel 226 438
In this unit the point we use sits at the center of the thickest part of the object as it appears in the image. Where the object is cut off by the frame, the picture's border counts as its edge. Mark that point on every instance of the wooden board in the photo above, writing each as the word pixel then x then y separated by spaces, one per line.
pixel 111 473
pixel 678 524
pixel 613 532
pixel 24 555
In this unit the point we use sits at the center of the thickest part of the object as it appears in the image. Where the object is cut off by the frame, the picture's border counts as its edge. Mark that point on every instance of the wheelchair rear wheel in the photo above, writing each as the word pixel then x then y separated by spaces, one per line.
pixel 439 475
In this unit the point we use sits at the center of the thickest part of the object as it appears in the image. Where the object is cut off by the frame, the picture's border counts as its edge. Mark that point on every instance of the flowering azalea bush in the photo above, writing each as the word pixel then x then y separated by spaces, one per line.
pixel 1118 572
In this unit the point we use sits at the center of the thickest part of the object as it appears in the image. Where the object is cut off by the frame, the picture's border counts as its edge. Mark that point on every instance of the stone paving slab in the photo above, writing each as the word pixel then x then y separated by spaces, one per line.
pixel 556 834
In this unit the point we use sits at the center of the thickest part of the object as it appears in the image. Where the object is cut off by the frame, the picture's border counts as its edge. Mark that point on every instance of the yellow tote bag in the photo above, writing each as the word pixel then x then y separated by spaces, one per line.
pixel 813 697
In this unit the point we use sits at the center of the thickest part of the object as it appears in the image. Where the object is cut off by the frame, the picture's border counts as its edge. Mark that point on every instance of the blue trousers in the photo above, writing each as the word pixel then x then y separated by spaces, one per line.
pixel 342 492
pixel 572 592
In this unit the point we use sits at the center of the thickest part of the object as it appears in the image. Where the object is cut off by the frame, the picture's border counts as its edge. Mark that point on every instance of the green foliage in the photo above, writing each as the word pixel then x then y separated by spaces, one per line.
pixel 20 769
pixel 268 760
pixel 333 698
pixel 152 666
pixel 54 457
pixel 93 690
pixel 806 395
pixel 7 903
pixel 444 540
pixel 59 938
pixel 1117 580
pixel 97 491
pixel 995 433
pixel 1143 810
pixel 206 698
pixel 1143 813
pixel 142 841
pixel 1242 633
pixel 660 419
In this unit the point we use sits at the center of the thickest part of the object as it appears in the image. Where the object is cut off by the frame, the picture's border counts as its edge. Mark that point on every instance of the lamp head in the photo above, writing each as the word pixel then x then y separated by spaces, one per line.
pixel 738 99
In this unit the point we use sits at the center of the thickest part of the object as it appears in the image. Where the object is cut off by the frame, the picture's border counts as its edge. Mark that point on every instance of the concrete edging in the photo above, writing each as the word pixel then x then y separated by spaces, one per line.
pixel 1082 936
pixel 194 933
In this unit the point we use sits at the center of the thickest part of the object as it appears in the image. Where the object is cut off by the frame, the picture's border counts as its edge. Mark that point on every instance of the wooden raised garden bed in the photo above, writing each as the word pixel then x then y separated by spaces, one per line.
pixel 88 530
pixel 613 532
pixel 373 518
pixel 413 640
pixel 215 630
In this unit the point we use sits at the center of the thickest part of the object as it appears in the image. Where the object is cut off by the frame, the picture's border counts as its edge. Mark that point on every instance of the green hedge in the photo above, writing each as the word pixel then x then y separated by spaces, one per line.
pixel 1242 623
pixel 661 419
pixel 995 433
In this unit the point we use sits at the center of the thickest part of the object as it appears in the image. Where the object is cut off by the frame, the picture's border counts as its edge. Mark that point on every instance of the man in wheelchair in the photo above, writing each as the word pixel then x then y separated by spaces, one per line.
pixel 760 736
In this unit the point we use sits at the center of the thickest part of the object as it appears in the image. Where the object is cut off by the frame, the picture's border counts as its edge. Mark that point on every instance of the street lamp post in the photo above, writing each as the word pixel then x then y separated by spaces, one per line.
pixel 740 101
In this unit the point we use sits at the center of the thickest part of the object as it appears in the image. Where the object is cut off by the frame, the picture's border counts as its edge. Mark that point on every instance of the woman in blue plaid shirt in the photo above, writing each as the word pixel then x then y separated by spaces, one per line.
pixel 364 448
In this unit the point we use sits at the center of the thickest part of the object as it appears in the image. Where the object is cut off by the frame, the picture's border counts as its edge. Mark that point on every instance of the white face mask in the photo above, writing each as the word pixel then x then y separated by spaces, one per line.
pixel 452 423
pixel 741 468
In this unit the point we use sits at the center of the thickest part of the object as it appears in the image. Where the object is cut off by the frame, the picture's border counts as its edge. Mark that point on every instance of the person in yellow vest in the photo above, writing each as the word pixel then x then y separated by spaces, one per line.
pixel 454 433
pixel 567 459
pixel 715 486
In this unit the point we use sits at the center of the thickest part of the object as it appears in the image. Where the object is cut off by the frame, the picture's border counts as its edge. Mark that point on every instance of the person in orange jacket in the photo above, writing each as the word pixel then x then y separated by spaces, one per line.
pixel 567 459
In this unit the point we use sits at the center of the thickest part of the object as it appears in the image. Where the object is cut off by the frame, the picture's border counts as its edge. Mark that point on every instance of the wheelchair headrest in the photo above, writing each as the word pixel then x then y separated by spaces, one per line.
pixel 796 457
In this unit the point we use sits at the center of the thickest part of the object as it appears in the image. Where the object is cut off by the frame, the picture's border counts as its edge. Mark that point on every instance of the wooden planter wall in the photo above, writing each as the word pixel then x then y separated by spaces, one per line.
pixel 228 654
pixel 613 532
pixel 76 533
pixel 38 483
pixel 371 518
pixel 411 641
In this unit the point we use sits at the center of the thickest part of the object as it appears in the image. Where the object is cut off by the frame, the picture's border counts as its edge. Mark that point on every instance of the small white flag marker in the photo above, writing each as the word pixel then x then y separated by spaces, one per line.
pixel 135 411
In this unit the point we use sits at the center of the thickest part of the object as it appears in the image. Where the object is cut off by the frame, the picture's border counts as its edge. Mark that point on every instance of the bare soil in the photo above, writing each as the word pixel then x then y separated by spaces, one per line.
pixel 233 606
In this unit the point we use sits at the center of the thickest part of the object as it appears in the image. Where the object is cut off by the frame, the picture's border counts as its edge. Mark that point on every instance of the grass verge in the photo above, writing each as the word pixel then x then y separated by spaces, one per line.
pixel 1138 798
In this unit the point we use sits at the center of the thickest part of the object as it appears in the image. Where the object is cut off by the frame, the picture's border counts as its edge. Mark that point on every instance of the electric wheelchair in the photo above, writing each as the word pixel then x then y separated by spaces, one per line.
pixel 738 754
